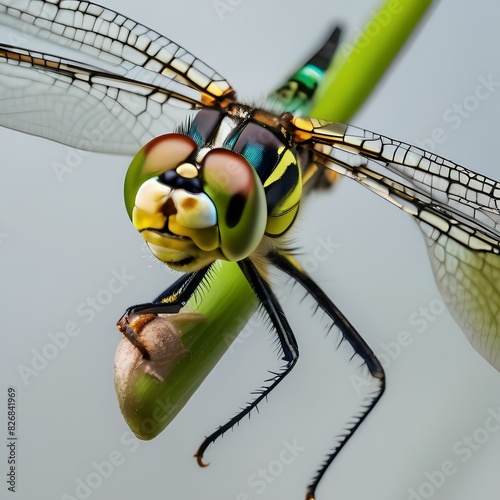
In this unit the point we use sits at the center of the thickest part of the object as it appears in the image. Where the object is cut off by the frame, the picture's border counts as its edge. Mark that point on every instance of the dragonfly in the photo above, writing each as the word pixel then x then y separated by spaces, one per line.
pixel 352 152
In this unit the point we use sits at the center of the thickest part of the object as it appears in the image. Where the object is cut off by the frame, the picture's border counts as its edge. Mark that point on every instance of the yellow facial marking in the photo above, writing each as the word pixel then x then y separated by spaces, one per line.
pixel 187 170
pixel 189 203
pixel 206 239
pixel 142 220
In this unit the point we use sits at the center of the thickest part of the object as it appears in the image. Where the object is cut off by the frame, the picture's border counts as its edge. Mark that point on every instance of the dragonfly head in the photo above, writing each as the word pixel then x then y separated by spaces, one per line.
pixel 195 205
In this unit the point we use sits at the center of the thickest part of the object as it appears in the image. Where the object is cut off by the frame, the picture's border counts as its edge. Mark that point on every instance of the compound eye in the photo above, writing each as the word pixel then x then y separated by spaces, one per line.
pixel 238 195
pixel 163 153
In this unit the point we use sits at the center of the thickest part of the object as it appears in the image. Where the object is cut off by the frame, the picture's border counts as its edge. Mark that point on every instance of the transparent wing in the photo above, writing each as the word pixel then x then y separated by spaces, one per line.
pixel 457 209
pixel 125 95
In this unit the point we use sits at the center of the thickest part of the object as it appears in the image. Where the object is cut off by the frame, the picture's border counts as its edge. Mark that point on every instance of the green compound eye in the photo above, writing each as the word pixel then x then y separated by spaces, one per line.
pixel 163 153
pixel 238 195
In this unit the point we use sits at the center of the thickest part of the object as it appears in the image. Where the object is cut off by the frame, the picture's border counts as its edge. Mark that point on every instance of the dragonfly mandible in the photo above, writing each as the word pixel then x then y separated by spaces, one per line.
pixel 304 125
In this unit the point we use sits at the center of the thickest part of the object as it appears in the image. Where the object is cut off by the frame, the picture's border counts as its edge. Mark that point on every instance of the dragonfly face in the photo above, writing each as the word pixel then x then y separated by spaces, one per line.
pixel 219 190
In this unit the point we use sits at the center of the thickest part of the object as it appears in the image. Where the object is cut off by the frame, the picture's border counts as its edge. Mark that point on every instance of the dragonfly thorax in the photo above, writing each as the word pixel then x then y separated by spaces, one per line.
pixel 213 191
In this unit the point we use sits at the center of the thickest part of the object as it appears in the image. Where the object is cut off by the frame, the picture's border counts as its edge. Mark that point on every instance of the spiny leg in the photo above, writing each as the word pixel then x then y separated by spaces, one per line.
pixel 288 265
pixel 286 340
pixel 171 301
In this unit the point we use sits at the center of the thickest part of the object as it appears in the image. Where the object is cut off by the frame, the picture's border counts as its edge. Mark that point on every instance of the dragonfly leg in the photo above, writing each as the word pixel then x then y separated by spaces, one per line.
pixel 291 267
pixel 287 342
pixel 169 302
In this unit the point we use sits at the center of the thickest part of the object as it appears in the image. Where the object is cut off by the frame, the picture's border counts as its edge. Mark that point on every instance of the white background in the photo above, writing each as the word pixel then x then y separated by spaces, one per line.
pixel 64 239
